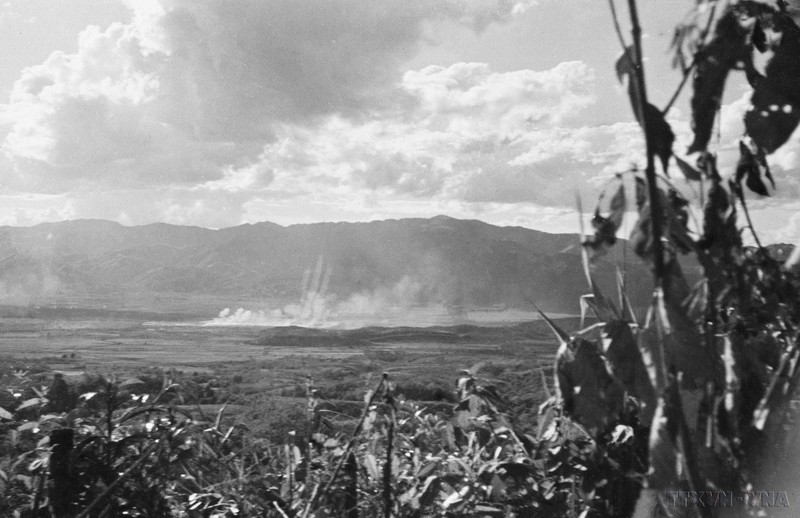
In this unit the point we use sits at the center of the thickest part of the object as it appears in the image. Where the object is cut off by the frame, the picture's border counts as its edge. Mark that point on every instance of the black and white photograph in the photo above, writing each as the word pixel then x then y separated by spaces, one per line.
pixel 399 258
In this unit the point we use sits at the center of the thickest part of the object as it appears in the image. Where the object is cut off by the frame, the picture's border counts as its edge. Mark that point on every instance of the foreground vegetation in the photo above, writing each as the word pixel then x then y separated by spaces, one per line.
pixel 128 451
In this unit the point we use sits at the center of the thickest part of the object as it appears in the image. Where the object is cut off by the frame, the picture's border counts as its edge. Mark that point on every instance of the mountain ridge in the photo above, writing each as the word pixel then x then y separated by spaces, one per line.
pixel 415 261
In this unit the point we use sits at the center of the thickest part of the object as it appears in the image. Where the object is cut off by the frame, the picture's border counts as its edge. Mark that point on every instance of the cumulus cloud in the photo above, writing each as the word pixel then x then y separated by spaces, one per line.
pixel 191 90
pixel 220 112
pixel 467 134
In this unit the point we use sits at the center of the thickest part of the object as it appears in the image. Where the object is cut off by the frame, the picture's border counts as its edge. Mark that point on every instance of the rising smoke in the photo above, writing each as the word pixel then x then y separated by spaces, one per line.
pixel 317 307
pixel 401 304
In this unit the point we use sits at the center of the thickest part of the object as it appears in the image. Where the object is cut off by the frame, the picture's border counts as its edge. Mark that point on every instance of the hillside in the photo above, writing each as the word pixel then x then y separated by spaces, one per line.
pixel 410 262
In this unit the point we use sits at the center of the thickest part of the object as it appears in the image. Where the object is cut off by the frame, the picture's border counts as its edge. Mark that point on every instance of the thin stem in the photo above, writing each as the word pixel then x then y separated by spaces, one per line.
pixel 616 25
pixel 688 71
pixel 650 172
pixel 678 90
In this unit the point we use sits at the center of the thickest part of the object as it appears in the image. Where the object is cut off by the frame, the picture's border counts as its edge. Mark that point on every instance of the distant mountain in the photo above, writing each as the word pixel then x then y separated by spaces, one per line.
pixel 415 262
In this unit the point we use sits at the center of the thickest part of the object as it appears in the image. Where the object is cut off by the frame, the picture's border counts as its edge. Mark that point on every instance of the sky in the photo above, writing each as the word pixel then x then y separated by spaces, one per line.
pixel 222 112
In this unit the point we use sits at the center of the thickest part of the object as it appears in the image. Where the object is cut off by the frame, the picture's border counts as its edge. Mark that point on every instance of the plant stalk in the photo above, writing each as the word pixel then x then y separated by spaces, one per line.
pixel 656 213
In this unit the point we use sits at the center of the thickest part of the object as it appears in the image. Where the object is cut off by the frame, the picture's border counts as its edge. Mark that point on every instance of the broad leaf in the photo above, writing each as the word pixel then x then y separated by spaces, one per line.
pixel 628 366
pixel 772 118
pixel 683 346
pixel 749 169
pixel 727 49
pixel 659 134
pixel 775 110
pixel 658 131
pixel 591 395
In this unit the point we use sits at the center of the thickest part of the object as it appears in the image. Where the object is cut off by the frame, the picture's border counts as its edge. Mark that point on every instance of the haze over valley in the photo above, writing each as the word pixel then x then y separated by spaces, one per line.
pixel 411 271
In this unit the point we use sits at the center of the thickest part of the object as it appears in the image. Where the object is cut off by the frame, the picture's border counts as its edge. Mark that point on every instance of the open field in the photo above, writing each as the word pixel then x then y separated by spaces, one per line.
pixel 263 370
pixel 129 340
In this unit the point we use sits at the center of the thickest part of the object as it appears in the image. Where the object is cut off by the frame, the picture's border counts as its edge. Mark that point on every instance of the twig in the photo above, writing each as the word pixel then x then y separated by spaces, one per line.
pixel 656 214
pixel 274 503
pixel 616 26
pixel 145 454
pixel 690 68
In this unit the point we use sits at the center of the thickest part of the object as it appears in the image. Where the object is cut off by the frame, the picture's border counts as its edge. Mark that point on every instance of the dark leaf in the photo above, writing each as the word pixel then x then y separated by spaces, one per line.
pixel 591 395
pixel 719 229
pixel 775 110
pixel 659 134
pixel 688 171
pixel 726 50
pixel 746 162
pixel 628 366
pixel 626 64
pixel 678 205
pixel 749 169
pixel 674 218
pixel 683 346
pixel 761 158
pixel 707 162
pixel 755 184
pixel 772 118
pixel 605 228
pixel 604 236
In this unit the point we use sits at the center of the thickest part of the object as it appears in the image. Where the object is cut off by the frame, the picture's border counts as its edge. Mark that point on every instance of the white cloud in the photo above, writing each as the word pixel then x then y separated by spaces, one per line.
pixel 191 91
pixel 216 113
pixel 468 134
